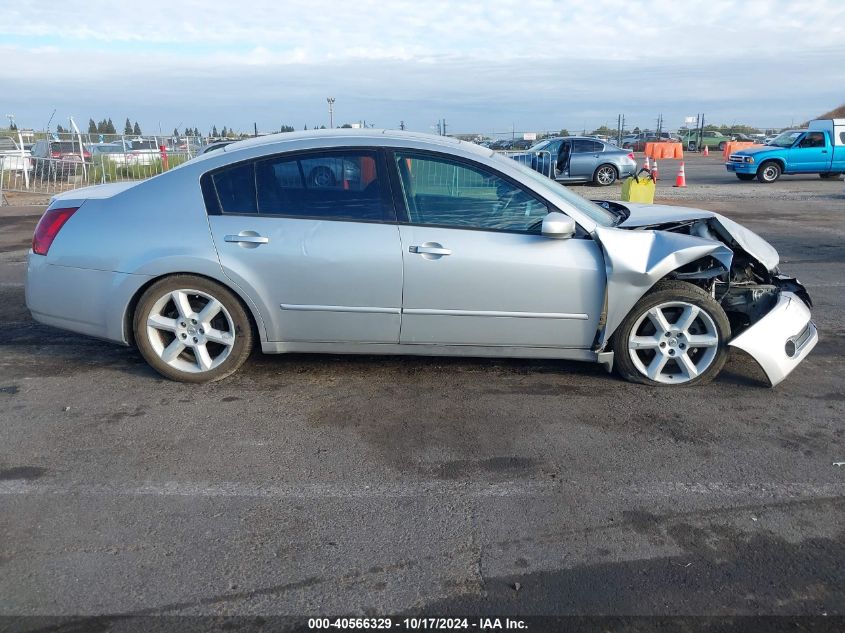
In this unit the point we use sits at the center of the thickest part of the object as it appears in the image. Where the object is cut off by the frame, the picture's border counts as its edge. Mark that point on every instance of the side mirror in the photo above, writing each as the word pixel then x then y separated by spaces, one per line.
pixel 558 226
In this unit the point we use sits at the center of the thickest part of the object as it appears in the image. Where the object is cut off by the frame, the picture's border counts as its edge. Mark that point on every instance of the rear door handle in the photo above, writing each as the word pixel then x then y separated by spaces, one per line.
pixel 429 250
pixel 247 239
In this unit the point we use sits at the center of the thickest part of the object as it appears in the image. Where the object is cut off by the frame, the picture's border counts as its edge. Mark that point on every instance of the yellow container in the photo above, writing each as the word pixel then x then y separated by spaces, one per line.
pixel 638 189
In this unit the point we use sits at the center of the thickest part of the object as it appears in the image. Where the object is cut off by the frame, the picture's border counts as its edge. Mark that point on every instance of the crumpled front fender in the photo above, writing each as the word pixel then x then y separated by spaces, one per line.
pixel 636 260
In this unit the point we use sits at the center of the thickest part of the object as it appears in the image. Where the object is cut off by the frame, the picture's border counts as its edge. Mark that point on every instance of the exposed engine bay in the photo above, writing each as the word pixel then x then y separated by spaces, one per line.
pixel 747 289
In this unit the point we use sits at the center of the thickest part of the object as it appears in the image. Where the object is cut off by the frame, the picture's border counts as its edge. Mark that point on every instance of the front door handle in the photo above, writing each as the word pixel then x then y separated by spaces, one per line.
pixel 429 250
pixel 247 239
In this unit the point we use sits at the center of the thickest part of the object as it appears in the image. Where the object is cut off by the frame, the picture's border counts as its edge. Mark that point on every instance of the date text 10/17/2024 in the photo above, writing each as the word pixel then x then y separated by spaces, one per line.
pixel 418 624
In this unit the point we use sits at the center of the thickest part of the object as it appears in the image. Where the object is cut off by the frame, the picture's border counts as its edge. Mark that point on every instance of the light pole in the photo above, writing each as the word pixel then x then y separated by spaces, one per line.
pixel 330 101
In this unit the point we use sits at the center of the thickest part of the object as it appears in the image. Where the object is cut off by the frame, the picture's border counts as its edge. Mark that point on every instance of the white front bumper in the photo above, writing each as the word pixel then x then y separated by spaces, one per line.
pixel 785 328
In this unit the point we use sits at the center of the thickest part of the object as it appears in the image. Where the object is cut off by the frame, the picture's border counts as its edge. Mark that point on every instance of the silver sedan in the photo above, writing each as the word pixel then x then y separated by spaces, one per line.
pixel 417 245
pixel 578 159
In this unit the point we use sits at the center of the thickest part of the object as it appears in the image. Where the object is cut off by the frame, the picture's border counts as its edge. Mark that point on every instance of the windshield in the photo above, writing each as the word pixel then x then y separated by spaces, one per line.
pixel 540 146
pixel 598 214
pixel 787 139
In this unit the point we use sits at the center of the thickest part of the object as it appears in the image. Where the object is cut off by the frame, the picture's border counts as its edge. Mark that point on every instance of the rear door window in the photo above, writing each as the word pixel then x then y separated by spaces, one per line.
pixel 345 185
pixel 582 146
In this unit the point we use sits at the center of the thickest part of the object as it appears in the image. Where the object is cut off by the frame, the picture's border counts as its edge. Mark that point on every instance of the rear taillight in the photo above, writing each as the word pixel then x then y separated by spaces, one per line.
pixel 56 154
pixel 86 154
pixel 48 228
pixel 631 155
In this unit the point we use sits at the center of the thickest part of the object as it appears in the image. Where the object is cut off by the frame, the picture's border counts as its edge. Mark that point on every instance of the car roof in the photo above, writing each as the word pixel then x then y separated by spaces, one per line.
pixel 284 141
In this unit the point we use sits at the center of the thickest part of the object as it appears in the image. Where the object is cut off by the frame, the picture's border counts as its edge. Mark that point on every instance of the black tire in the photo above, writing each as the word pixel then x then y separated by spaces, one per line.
pixel 692 146
pixel 746 176
pixel 606 173
pixel 322 177
pixel 768 172
pixel 668 291
pixel 241 325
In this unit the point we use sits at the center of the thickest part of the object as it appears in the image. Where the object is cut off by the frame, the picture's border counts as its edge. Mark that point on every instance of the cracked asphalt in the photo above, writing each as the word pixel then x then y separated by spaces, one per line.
pixel 312 485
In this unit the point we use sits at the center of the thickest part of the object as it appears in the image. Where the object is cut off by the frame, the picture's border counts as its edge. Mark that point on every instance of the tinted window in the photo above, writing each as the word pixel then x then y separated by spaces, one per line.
pixel 235 188
pixel 582 146
pixel 65 147
pixel 333 185
pixel 443 192
pixel 337 185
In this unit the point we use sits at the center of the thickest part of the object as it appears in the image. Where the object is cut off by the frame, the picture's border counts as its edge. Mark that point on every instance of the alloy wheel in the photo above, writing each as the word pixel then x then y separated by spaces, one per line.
pixel 673 342
pixel 605 175
pixel 190 330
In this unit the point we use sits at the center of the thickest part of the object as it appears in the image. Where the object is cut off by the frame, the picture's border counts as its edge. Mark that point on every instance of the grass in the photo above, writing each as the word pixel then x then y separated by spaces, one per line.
pixel 108 170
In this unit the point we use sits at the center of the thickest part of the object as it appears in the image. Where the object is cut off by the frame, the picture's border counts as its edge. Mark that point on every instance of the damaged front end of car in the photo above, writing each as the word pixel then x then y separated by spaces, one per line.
pixel 769 312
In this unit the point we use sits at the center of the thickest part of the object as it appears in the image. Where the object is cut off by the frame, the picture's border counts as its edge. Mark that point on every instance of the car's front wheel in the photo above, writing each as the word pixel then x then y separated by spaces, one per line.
pixel 675 335
pixel 768 172
pixel 605 175
pixel 192 329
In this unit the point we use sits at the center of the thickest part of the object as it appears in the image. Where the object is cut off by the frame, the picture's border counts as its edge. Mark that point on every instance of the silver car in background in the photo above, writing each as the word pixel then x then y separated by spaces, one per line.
pixel 578 159
pixel 416 244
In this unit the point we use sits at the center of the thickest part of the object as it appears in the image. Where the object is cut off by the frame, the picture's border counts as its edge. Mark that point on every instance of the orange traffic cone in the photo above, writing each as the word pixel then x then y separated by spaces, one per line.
pixel 654 172
pixel 681 178
pixel 706 151
pixel 646 165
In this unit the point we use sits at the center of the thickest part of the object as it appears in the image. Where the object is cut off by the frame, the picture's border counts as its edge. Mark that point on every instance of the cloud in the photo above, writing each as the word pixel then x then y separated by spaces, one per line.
pixel 540 64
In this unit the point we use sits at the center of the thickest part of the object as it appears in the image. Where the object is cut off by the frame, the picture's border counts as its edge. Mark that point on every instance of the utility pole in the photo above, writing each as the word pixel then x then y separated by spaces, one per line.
pixel 444 127
pixel 330 101
pixel 402 125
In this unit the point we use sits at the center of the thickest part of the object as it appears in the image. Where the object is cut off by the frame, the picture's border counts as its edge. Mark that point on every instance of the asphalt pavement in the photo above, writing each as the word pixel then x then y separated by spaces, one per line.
pixel 307 485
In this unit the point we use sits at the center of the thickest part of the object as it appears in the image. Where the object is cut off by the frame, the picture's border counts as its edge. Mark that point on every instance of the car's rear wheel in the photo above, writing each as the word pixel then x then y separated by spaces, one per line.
pixel 605 175
pixel 192 329
pixel 745 176
pixel 675 335
pixel 768 172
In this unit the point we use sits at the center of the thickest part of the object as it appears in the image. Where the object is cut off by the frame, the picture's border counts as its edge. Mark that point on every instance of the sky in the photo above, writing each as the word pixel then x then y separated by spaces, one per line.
pixel 485 66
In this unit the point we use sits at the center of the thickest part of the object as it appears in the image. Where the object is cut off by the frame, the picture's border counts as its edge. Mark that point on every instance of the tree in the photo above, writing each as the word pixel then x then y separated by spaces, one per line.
pixel 110 129
pixel 92 127
pixel 564 132
pixel 287 128
pixel 306 127
pixel 197 131
pixel 603 131
pixel 136 129
pixel 60 129
pixel 636 130
pixel 13 126
pixel 224 131
pixel 176 132
pixel 127 128
pixel 214 131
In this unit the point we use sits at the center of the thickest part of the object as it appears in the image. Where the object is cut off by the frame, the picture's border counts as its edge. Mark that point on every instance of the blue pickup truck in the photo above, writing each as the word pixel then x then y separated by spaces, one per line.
pixel 820 149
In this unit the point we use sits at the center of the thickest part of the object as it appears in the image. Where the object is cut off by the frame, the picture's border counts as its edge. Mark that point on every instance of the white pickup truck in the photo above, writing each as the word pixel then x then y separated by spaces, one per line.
pixel 13 157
